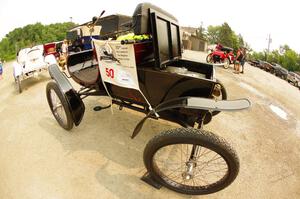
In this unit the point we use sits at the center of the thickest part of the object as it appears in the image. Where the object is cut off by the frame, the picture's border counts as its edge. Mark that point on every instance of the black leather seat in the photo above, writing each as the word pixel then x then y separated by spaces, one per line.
pixel 141 18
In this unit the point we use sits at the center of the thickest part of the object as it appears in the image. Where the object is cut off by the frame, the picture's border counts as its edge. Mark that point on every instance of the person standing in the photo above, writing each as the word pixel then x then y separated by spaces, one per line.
pixel 243 59
pixel 1 69
pixel 64 54
pixel 64 48
pixel 238 60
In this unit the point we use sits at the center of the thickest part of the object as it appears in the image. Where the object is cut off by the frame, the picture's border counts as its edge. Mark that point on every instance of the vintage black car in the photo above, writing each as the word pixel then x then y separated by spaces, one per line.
pixel 150 76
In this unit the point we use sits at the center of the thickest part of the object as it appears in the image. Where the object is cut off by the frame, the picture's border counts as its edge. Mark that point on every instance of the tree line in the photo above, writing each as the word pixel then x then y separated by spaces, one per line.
pixel 38 33
pixel 284 56
pixel 223 34
pixel 31 35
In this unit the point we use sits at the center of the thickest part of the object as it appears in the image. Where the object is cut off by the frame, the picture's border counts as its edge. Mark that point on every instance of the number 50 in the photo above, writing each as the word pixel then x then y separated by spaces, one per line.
pixel 110 72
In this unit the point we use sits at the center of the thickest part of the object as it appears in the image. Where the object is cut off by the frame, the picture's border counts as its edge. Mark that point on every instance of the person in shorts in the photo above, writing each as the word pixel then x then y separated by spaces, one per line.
pixel 239 60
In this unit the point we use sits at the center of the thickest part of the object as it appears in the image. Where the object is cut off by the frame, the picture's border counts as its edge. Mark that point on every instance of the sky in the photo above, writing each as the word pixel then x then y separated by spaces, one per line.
pixel 253 19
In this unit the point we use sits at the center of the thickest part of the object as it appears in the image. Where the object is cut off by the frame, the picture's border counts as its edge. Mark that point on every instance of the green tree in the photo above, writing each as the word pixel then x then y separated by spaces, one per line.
pixel 225 35
pixel 30 35
pixel 285 56
pixel 213 34
pixel 200 33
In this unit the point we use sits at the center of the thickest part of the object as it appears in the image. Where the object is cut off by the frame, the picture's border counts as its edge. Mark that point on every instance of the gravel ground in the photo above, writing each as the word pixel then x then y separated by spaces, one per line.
pixel 38 159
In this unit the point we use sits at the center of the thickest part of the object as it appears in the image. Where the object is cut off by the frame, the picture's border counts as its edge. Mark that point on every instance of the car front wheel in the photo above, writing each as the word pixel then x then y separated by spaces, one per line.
pixel 191 161
pixel 59 106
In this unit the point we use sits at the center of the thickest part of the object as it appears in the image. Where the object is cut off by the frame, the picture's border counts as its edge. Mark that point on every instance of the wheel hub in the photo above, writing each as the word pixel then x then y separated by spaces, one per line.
pixel 189 173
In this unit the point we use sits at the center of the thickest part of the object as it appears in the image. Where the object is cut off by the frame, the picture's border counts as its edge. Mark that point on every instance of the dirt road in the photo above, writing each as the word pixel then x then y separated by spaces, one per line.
pixel 38 159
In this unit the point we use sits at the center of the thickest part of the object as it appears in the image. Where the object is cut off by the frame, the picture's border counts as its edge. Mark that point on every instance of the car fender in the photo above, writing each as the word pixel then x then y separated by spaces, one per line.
pixel 74 101
pixel 179 89
pixel 198 103
pixel 17 69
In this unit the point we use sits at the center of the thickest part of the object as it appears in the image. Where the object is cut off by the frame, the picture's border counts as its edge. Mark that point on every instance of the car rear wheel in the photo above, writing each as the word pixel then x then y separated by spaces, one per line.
pixel 209 58
pixel 18 84
pixel 59 106
pixel 226 63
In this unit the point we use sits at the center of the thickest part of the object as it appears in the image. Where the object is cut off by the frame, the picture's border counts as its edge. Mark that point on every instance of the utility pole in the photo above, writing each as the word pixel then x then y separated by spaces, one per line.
pixel 71 19
pixel 269 42
pixel 268 49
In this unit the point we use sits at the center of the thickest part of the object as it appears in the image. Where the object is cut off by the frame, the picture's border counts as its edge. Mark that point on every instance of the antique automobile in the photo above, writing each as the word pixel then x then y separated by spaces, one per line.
pixel 30 61
pixel 148 75
pixel 52 48
pixel 222 54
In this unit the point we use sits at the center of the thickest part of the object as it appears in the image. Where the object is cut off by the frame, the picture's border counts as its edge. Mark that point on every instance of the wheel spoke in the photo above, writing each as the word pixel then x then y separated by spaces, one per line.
pixel 57 107
pixel 209 166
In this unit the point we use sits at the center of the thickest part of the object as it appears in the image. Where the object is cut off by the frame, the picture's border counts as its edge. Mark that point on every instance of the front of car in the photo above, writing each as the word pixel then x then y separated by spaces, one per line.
pixel 281 72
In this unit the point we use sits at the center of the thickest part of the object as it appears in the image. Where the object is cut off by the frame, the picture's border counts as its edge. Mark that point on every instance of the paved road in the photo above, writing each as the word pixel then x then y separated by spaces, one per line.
pixel 38 159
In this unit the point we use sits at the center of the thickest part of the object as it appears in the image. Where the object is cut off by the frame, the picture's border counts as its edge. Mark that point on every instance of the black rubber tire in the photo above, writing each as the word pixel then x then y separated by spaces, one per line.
pixel 224 96
pixel 226 63
pixel 209 58
pixel 18 82
pixel 68 125
pixel 192 136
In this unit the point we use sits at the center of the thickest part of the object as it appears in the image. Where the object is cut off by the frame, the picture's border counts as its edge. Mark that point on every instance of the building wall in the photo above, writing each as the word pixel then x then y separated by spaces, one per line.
pixel 198 44
pixel 187 44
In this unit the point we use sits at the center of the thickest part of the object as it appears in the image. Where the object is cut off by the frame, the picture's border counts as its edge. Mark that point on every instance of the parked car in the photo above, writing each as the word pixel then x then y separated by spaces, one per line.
pixel 267 66
pixel 256 63
pixel 280 71
pixel 221 55
pixel 30 61
pixel 53 48
pixel 150 76
pixel 293 78
pixel 253 62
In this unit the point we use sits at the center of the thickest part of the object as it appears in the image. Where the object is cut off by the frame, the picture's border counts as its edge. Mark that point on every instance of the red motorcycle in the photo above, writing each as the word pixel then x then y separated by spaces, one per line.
pixel 221 55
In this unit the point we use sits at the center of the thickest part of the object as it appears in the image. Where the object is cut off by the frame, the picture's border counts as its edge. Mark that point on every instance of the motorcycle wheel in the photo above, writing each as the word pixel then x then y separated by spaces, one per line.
pixel 226 63
pixel 191 161
pixel 59 106
pixel 209 58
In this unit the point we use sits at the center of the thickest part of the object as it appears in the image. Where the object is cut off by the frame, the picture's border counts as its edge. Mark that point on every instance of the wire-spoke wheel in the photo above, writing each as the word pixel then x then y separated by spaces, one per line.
pixel 209 58
pixel 59 106
pixel 226 63
pixel 191 161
